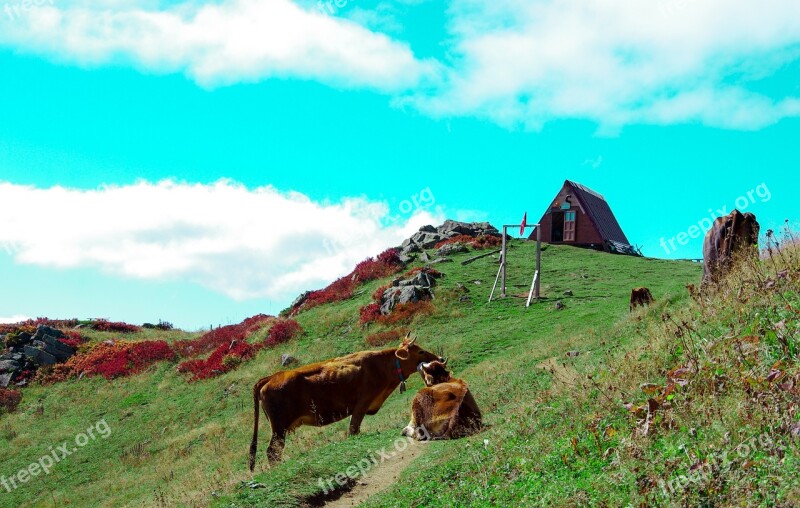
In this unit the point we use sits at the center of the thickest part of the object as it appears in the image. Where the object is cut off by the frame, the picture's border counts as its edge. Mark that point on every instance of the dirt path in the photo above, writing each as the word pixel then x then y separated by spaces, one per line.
pixel 380 477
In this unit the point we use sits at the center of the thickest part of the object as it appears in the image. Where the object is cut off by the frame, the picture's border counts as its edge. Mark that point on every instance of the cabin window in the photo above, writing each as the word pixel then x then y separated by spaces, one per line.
pixel 569 226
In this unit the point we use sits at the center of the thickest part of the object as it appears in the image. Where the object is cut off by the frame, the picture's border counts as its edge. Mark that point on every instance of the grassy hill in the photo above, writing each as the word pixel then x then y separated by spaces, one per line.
pixel 642 398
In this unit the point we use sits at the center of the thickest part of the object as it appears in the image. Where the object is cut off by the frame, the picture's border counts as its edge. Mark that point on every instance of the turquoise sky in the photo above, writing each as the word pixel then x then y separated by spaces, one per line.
pixel 488 107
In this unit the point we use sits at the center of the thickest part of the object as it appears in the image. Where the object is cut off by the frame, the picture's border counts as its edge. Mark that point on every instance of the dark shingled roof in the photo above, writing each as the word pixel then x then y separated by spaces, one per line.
pixel 600 214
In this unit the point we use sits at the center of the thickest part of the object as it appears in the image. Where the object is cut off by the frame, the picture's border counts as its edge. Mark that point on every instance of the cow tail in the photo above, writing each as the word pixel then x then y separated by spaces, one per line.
pixel 254 443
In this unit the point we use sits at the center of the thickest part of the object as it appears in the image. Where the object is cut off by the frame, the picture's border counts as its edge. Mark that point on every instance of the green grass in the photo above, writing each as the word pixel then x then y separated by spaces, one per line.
pixel 185 444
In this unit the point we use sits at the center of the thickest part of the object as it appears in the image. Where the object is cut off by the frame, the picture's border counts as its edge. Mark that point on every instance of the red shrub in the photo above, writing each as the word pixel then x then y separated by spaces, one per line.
pixel 387 263
pixel 104 325
pixel 487 241
pixel 478 242
pixel 378 294
pixel 230 353
pixel 30 325
pixel 223 335
pixel 405 312
pixel 72 339
pixel 369 313
pixel 113 360
pixel 219 361
pixel 9 400
pixel 338 290
pixel 283 331
pixel 25 376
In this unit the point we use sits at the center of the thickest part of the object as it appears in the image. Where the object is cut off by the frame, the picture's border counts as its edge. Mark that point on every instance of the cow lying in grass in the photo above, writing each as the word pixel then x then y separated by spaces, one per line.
pixel 443 410
pixel 326 392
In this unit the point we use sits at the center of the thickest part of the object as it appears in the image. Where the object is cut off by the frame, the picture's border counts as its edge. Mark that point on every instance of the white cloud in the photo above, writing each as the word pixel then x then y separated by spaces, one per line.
pixel 240 242
pixel 617 62
pixel 519 63
pixel 13 319
pixel 217 43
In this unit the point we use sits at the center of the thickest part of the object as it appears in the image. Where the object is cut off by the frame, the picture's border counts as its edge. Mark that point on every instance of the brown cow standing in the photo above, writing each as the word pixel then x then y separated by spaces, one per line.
pixel 730 235
pixel 641 297
pixel 443 410
pixel 326 392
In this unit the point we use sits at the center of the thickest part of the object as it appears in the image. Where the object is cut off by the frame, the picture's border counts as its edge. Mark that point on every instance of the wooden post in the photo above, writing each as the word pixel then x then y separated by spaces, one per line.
pixel 503 264
pixel 538 260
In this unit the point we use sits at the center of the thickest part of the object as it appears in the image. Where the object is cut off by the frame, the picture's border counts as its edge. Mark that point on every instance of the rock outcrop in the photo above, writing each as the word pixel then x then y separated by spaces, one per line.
pixel 428 236
pixel 411 290
pixel 28 352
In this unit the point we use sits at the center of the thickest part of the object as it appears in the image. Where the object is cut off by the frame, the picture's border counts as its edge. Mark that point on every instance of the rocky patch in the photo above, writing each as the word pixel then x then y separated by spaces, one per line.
pixel 412 289
pixel 26 352
pixel 428 237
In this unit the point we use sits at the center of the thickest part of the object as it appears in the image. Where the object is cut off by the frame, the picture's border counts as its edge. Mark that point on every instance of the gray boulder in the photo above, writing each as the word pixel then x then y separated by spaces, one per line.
pixel 423 279
pixel 5 379
pixel 9 366
pixel 56 345
pixel 39 356
pixel 408 246
pixel 394 296
pixel 452 248
pixel 428 229
pixel 43 330
pixel 452 228
pixel 426 240
pixel 406 258
pixel 287 359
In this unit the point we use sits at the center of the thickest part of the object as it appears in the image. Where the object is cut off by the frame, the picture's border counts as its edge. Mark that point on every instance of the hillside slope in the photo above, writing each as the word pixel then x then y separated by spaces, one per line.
pixel 558 431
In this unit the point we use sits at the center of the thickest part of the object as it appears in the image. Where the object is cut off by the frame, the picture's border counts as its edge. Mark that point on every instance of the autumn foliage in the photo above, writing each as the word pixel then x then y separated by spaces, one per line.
pixel 387 263
pixel 112 360
pixel 226 357
pixel 229 355
pixel 221 336
pixel 477 242
pixel 283 331
pixel 103 325
pixel 9 400
pixel 369 313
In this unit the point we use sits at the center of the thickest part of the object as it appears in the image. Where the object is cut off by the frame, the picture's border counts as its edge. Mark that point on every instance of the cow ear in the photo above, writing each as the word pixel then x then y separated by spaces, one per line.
pixel 402 353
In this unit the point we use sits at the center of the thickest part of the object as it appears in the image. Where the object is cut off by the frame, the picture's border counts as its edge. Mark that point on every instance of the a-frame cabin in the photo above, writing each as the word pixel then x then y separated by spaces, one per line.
pixel 582 217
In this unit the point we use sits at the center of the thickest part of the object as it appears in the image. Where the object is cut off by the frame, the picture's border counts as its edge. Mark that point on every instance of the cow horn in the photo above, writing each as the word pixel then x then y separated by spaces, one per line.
pixel 445 362
pixel 412 340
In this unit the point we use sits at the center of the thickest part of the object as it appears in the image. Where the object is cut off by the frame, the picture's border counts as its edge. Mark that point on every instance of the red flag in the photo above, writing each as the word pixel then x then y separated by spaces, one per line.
pixel 524 223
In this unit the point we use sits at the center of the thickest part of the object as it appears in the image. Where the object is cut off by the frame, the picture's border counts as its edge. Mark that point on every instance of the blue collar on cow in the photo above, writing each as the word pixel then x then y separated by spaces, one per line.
pixel 402 378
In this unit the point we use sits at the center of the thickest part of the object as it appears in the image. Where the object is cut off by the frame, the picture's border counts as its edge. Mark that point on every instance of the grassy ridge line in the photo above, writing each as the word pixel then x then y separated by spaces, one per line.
pixel 185 444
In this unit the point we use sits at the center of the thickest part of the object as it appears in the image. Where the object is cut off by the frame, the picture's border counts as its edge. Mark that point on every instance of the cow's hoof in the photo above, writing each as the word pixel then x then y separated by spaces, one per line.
pixel 408 432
